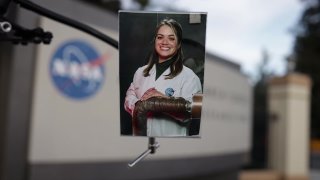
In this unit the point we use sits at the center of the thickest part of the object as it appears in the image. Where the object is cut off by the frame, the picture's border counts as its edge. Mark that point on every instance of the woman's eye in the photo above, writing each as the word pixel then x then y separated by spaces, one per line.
pixel 159 37
pixel 172 39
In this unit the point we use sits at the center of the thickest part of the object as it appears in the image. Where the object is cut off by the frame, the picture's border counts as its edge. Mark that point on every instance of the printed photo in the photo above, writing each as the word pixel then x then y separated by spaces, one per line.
pixel 162 57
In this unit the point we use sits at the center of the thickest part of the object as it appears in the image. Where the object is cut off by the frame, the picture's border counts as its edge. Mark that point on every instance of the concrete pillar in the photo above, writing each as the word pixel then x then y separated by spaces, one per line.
pixel 289 101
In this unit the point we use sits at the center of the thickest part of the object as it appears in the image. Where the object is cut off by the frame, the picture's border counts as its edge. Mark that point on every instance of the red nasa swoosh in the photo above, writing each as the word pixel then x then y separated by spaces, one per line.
pixel 100 60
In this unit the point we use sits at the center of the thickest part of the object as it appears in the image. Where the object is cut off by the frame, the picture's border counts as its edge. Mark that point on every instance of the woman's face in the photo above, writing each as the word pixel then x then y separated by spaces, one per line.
pixel 166 43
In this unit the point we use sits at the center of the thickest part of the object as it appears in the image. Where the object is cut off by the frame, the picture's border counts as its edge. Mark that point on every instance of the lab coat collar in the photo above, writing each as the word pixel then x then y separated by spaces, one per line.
pixel 153 70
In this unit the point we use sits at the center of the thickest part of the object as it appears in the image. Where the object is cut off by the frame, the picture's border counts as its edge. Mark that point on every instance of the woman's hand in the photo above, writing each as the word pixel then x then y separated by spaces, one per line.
pixel 152 92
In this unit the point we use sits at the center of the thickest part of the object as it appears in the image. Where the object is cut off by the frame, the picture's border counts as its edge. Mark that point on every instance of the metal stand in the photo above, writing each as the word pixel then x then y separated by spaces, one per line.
pixel 152 146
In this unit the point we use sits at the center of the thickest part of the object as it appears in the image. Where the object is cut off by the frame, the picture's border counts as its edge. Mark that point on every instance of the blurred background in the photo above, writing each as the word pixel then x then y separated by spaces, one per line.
pixel 59 107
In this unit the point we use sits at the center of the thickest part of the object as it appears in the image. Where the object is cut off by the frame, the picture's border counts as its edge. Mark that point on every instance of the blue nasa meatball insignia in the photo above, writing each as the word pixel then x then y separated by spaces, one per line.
pixel 169 92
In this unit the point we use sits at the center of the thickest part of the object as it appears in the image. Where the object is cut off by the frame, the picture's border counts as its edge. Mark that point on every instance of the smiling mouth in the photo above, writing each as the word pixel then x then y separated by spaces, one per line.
pixel 164 48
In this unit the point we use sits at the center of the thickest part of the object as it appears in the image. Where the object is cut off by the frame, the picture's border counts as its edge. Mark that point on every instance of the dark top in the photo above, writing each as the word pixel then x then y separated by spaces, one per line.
pixel 161 67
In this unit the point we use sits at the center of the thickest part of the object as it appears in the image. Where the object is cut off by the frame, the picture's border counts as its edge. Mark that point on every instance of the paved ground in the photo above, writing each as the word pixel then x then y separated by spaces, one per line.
pixel 315 174
pixel 259 175
pixel 271 175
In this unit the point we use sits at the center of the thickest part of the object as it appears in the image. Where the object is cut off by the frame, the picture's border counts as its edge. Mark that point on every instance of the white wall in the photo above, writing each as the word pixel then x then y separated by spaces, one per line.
pixel 63 129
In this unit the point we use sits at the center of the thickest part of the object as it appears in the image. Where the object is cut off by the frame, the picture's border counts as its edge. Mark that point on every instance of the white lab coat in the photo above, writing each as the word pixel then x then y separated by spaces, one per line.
pixel 184 85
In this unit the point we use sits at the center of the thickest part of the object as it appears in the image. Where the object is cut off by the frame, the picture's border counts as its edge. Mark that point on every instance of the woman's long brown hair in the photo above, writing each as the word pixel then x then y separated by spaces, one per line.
pixel 177 65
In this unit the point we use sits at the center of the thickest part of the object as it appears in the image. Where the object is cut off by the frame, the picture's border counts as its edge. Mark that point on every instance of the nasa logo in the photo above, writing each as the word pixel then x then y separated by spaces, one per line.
pixel 169 92
pixel 77 69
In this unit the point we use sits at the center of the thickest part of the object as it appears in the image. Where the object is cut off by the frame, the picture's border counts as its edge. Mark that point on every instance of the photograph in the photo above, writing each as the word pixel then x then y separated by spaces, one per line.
pixel 161 73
